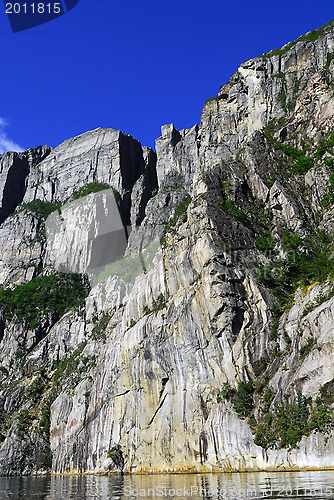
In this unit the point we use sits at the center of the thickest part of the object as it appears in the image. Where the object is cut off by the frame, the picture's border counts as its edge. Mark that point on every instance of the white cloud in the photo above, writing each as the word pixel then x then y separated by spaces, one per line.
pixel 6 144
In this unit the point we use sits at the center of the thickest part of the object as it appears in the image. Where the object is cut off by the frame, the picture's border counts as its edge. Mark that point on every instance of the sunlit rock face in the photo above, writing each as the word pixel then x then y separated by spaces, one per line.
pixel 103 155
pixel 179 246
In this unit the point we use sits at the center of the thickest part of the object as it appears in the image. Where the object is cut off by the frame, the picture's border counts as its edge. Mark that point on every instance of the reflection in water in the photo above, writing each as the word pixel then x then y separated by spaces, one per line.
pixel 15 488
pixel 253 486
pixel 86 487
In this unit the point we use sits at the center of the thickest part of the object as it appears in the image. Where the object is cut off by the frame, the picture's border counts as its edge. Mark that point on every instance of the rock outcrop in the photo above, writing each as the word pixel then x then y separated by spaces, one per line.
pixel 211 271
pixel 14 168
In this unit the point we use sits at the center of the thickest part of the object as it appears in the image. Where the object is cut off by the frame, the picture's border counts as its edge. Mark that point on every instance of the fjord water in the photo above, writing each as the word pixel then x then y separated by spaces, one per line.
pixel 259 485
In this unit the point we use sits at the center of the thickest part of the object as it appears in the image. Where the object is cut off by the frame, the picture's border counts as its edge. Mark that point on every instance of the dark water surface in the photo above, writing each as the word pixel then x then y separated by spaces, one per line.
pixel 302 485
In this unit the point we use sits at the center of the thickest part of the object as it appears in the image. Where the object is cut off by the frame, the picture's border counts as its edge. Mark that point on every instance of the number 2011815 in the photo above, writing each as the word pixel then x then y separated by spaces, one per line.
pixel 33 8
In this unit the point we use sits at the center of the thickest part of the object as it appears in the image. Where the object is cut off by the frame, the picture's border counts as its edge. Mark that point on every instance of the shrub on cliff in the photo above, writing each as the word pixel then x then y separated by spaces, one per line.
pixel 289 422
pixel 180 215
pixel 92 187
pixel 53 295
pixel 42 209
pixel 242 398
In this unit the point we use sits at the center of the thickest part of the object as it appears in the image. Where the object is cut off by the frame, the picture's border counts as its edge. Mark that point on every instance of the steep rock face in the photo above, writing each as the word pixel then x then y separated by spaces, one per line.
pixel 21 247
pixel 14 168
pixel 306 319
pixel 251 98
pixel 226 279
pixel 178 151
pixel 103 155
pixel 161 376
pixel 231 447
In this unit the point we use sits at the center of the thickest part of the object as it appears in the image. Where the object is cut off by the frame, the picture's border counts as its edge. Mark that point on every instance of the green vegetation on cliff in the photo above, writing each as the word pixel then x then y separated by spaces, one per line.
pixel 41 209
pixel 312 36
pixel 180 215
pixel 92 187
pixel 44 296
pixel 241 398
pixel 298 161
pixel 308 260
pixel 286 423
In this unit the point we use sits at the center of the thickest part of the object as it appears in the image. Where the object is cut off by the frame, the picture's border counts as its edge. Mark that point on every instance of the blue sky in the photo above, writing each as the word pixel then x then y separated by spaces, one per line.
pixel 134 65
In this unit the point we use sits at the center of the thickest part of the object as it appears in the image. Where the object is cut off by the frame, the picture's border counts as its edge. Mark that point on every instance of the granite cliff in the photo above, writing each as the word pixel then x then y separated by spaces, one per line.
pixel 203 340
